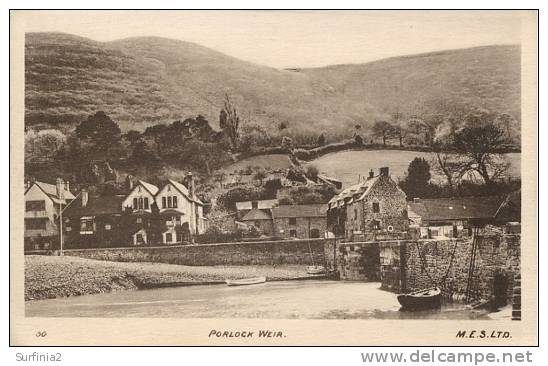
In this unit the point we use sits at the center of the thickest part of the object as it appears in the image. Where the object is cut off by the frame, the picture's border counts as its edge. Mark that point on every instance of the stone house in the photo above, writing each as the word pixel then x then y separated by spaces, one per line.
pixel 244 207
pixel 373 206
pixel 300 221
pixel 261 220
pixel 43 202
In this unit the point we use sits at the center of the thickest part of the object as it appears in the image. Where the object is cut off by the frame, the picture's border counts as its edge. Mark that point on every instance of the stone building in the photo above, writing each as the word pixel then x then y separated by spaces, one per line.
pixel 300 221
pixel 374 206
pixel 261 220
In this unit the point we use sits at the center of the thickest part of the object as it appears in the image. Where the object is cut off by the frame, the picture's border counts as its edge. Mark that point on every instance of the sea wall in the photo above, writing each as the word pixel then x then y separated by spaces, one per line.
pixel 242 253
pixel 411 265
pixel 358 261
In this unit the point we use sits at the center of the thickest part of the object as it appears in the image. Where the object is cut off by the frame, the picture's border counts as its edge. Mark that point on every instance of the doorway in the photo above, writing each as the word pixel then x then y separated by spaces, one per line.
pixel 500 290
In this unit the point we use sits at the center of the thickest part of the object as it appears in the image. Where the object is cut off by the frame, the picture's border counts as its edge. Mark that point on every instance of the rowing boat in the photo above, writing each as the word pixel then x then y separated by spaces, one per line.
pixel 246 281
pixel 429 298
pixel 315 269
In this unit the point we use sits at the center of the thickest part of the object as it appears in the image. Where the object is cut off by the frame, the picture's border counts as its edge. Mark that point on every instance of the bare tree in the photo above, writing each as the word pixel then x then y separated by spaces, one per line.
pixel 481 146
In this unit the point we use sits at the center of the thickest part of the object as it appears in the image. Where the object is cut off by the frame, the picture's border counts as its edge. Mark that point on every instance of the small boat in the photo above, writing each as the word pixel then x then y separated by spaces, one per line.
pixel 315 269
pixel 429 298
pixel 246 281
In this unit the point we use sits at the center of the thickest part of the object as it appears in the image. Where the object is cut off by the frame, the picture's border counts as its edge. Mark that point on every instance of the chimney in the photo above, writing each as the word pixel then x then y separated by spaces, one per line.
pixel 190 184
pixel 129 182
pixel 67 186
pixel 371 174
pixel 84 197
pixel 384 171
pixel 416 200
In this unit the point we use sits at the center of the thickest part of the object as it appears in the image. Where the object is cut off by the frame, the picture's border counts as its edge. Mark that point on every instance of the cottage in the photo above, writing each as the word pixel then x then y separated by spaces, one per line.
pixel 373 206
pixel 261 220
pixel 97 220
pixel 455 217
pixel 43 203
pixel 300 221
pixel 244 207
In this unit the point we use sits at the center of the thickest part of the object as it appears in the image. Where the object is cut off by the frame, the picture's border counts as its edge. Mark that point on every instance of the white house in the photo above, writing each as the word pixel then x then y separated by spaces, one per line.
pixel 181 209
pixel 141 197
pixel 42 204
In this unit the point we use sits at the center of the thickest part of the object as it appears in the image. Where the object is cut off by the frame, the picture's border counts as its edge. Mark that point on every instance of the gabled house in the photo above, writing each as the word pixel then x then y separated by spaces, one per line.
pixel 43 202
pixel 244 207
pixel 140 197
pixel 373 206
pixel 181 211
pixel 300 221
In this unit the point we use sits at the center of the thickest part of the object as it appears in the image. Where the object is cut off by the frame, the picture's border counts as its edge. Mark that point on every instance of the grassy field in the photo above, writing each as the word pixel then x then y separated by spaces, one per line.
pixel 347 165
pixel 49 277
pixel 271 161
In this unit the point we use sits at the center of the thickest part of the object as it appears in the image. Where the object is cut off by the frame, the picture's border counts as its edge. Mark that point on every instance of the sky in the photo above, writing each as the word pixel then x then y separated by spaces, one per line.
pixel 284 39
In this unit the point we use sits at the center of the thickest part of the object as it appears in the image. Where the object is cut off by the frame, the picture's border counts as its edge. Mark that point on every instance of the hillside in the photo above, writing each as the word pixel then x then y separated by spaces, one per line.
pixel 144 81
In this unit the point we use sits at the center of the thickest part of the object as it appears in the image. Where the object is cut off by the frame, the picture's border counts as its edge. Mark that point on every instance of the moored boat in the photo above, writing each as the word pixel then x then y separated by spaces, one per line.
pixel 315 270
pixel 425 299
pixel 246 281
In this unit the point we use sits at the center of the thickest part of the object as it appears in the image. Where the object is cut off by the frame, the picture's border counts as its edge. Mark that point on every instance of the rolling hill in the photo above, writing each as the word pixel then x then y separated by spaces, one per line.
pixel 144 81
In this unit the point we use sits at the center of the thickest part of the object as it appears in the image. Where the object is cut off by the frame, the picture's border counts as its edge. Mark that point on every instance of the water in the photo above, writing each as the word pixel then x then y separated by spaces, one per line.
pixel 288 300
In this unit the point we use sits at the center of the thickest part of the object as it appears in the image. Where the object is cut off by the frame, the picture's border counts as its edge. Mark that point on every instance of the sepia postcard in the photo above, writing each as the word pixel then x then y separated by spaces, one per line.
pixel 269 178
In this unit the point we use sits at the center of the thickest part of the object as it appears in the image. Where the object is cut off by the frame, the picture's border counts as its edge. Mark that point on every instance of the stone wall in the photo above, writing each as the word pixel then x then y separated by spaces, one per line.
pixel 412 265
pixel 358 261
pixel 303 226
pixel 248 253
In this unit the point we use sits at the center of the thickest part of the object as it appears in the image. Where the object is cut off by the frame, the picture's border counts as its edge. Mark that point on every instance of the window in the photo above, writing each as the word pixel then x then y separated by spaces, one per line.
pixel 175 201
pixel 292 221
pixel 108 227
pixel 179 237
pixel 254 204
pixel 169 202
pixel 169 237
pixel 135 204
pixel 376 207
pixel 35 224
pixel 314 233
pixel 35 205
pixel 376 224
pixel 355 214
pixel 139 239
pixel 163 202
pixel 86 225
pixel 293 233
pixel 139 220
pixel 140 203
pixel 146 203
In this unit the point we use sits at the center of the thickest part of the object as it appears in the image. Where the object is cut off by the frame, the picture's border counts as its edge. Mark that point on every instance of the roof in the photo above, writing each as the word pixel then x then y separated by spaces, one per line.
pixel 51 191
pixel 97 205
pixel 316 210
pixel 149 187
pixel 362 188
pixel 184 190
pixel 455 208
pixel 510 208
pixel 262 203
pixel 256 214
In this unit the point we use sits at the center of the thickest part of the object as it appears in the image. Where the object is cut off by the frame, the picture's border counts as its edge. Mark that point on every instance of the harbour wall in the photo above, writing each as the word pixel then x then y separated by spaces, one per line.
pixel 305 252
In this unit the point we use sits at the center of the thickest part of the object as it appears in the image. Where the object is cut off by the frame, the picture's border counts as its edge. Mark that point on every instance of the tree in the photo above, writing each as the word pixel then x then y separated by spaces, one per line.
pixel 99 129
pixel 321 139
pixel 312 173
pixel 133 136
pixel 481 144
pixel 399 127
pixel 418 178
pixel 260 175
pixel 43 145
pixel 229 121
pixel 382 129
pixel 287 143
